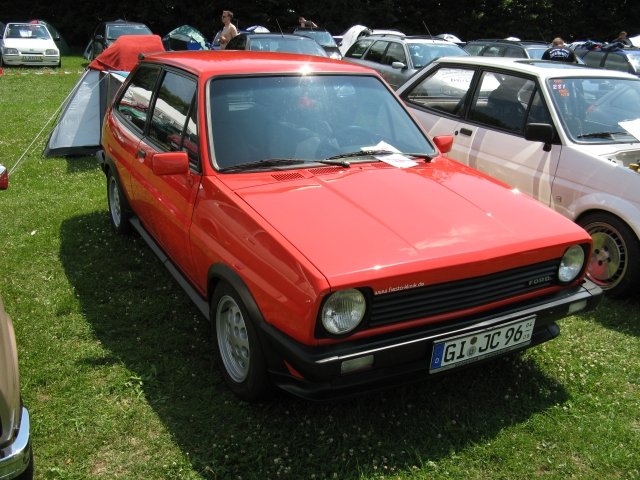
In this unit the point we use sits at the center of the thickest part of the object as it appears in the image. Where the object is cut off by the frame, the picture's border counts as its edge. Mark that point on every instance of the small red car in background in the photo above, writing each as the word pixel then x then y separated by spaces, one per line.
pixel 326 236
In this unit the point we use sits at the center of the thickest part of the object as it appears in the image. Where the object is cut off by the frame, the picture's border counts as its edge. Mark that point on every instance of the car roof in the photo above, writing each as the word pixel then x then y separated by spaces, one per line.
pixel 206 63
pixel 523 43
pixel 541 68
pixel 408 38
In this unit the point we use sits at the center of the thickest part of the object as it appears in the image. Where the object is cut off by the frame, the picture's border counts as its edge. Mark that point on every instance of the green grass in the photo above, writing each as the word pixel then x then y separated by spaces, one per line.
pixel 118 372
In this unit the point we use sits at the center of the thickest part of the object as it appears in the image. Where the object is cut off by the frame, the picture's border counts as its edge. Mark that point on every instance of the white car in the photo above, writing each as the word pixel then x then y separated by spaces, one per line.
pixel 28 44
pixel 565 134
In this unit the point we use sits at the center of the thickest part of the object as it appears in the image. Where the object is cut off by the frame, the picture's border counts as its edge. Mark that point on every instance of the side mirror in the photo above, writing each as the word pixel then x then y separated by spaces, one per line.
pixel 444 143
pixel 170 163
pixel 398 65
pixel 4 177
pixel 540 132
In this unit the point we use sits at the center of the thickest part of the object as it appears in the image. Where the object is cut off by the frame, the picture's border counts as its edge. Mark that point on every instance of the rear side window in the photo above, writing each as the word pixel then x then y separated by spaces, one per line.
pixel 593 59
pixel 358 49
pixel 474 49
pixel 514 52
pixel 395 53
pixel 134 103
pixel 376 52
pixel 617 62
pixel 171 112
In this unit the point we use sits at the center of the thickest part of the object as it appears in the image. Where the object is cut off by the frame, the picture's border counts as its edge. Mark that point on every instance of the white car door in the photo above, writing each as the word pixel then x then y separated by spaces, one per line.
pixel 487 114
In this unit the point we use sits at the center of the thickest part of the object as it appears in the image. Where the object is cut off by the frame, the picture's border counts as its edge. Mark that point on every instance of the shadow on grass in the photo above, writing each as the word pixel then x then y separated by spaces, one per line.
pixel 142 317
pixel 621 315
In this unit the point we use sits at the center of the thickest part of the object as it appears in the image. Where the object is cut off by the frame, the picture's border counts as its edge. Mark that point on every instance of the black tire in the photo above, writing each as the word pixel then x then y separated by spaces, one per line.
pixel 237 345
pixel 119 211
pixel 615 260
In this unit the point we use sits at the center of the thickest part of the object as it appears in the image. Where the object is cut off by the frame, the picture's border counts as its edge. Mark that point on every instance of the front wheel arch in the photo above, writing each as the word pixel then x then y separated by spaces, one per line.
pixel 615 256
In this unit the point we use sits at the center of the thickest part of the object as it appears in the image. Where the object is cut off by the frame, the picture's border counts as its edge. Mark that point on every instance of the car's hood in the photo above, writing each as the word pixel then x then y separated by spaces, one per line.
pixel 380 220
pixel 29 44
pixel 620 153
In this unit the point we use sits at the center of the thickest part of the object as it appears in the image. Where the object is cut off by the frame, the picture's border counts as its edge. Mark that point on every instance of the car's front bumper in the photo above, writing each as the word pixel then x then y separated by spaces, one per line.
pixel 318 372
pixel 15 457
pixel 35 60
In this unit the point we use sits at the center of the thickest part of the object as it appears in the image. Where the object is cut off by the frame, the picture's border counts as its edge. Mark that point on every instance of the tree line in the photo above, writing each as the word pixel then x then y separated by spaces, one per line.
pixel 467 19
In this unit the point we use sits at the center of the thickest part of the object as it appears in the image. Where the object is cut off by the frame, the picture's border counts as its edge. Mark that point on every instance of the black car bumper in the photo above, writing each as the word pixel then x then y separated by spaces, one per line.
pixel 321 373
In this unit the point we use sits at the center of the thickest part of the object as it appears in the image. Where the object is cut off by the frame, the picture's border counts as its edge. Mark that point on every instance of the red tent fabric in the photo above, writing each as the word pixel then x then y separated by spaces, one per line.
pixel 122 55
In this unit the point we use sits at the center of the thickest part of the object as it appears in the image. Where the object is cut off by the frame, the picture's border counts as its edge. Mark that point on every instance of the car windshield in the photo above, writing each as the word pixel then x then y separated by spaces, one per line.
pixel 27 31
pixel 422 53
pixel 116 31
pixel 322 37
pixel 292 44
pixel 598 110
pixel 307 119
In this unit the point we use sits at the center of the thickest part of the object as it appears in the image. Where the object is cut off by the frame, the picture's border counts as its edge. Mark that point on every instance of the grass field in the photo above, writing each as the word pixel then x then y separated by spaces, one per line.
pixel 118 373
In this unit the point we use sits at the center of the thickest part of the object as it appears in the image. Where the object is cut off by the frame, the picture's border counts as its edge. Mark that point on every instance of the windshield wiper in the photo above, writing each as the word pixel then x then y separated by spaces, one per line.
pixel 372 153
pixel 275 162
pixel 264 163
pixel 602 134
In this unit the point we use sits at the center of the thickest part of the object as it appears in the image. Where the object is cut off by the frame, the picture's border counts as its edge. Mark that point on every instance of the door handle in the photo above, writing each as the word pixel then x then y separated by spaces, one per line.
pixel 466 131
pixel 141 154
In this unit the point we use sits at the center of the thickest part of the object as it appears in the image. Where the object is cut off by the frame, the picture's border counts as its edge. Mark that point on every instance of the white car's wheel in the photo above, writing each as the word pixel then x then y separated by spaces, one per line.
pixel 615 258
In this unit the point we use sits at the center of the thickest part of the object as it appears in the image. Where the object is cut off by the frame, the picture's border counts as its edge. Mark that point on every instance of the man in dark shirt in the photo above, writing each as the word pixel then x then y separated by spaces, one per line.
pixel 559 52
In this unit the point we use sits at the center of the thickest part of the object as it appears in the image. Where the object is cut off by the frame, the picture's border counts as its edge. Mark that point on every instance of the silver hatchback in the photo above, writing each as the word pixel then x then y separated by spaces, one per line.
pixel 398 57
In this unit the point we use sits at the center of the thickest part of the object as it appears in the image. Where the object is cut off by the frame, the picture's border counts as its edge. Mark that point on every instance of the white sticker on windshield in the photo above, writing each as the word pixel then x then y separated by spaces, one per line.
pixel 394 157
pixel 632 126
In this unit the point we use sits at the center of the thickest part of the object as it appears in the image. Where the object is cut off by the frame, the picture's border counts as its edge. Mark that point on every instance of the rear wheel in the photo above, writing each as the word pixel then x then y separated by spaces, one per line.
pixel 615 259
pixel 118 208
pixel 238 348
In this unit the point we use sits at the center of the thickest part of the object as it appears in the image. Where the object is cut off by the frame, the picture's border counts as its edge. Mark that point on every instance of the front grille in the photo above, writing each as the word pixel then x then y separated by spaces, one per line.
pixel 449 297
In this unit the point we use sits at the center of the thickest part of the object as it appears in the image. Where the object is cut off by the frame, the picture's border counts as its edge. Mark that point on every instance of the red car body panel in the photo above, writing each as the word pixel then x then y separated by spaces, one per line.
pixel 294 236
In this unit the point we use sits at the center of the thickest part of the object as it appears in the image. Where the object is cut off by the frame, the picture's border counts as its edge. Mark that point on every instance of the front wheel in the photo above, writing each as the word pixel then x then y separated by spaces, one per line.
pixel 118 208
pixel 615 258
pixel 238 348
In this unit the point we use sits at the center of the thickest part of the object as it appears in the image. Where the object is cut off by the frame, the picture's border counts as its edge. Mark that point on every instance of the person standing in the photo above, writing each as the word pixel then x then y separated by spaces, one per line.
pixel 559 52
pixel 229 30
pixel 304 23
pixel 622 38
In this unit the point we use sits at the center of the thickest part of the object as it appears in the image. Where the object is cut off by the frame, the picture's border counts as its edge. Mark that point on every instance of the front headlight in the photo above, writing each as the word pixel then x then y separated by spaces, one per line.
pixel 571 264
pixel 343 311
pixel 11 51
pixel 51 51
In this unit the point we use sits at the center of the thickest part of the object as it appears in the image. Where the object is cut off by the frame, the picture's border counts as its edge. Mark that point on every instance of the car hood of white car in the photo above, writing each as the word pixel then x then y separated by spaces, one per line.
pixel 621 154
pixel 30 44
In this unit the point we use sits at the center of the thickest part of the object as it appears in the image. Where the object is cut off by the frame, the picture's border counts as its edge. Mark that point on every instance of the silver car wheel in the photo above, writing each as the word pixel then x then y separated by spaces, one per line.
pixel 233 339
pixel 609 258
pixel 114 202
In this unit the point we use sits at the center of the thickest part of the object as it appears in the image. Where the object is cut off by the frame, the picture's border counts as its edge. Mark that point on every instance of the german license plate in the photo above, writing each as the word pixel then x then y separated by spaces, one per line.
pixel 32 58
pixel 471 347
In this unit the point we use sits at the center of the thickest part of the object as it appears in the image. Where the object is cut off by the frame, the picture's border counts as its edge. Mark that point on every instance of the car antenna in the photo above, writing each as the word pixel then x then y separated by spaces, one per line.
pixel 427 28
pixel 279 27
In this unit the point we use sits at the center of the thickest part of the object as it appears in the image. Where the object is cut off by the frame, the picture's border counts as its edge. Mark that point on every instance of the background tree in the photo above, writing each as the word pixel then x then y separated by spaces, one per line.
pixel 468 19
